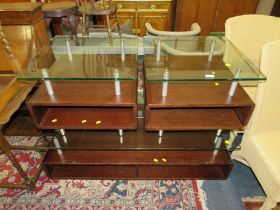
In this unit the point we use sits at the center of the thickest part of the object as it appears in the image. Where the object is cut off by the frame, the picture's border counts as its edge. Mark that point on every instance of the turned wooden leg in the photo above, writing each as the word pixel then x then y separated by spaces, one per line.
pixel 84 25
pixel 84 28
pixel 109 28
pixel 73 27
pixel 118 24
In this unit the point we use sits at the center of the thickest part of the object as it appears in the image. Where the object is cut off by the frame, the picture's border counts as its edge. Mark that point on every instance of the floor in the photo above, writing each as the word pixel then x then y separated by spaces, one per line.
pixel 228 194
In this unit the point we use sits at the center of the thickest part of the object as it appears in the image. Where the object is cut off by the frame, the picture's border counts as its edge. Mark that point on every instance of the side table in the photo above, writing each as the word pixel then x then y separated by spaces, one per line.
pixel 58 10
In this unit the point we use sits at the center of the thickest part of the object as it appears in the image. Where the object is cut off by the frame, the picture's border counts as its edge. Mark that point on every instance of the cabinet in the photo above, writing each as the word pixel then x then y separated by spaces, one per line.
pixel 103 135
pixel 210 14
pixel 158 13
pixel 22 24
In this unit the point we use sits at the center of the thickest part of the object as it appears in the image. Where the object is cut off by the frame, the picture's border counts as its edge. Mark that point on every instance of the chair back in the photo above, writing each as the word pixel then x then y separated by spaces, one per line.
pixel 195 30
pixel 94 5
pixel 266 114
pixel 250 32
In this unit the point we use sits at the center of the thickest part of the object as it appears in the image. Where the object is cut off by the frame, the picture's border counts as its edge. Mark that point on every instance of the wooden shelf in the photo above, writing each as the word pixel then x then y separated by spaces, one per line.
pixel 88 117
pixel 82 105
pixel 85 93
pixel 196 106
pixel 192 119
pixel 138 164
pixel 101 155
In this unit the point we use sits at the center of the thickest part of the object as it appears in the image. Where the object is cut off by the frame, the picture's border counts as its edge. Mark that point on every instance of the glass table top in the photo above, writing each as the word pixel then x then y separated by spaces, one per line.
pixel 193 58
pixel 196 58
pixel 96 58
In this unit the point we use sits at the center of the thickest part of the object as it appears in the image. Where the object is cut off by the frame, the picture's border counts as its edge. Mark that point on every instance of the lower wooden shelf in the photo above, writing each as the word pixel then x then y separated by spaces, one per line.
pixel 138 164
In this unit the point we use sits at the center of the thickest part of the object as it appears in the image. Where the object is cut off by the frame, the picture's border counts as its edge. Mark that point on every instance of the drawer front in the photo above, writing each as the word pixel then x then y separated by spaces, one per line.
pixel 183 172
pixel 91 171
pixel 125 6
pixel 153 6
pixel 138 164
pixel 159 21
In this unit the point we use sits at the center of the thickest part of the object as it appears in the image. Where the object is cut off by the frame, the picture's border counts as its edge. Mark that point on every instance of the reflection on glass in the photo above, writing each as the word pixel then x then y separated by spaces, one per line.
pixel 97 59
pixel 196 59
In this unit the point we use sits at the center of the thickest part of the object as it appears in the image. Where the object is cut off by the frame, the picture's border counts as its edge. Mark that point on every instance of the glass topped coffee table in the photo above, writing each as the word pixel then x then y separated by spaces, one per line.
pixel 89 95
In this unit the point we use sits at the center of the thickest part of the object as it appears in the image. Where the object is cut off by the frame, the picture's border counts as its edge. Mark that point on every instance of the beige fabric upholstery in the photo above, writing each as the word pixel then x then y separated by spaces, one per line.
pixel 190 48
pixel 195 30
pixel 249 33
pixel 261 141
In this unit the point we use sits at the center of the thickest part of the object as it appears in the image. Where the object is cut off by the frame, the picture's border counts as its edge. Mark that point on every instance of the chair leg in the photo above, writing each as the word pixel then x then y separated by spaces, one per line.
pixel 84 25
pixel 118 24
pixel 109 27
pixel 73 28
pixel 268 204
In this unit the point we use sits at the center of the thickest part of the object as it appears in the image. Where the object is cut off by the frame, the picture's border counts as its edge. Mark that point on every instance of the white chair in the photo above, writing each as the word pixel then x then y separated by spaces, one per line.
pixel 190 47
pixel 260 144
pixel 183 45
pixel 195 30
pixel 249 33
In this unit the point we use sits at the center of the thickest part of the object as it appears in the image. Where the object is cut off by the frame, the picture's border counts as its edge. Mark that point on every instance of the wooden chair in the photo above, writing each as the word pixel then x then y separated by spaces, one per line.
pixel 97 8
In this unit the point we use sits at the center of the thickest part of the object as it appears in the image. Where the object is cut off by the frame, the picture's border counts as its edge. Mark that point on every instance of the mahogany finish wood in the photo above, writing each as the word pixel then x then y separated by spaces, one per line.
pixel 191 105
pixel 137 164
pixel 100 155
pixel 210 14
pixel 79 105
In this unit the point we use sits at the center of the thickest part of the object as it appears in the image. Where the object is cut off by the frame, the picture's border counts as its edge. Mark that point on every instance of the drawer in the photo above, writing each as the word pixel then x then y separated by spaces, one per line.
pixel 153 6
pixel 91 171
pixel 189 171
pixel 125 6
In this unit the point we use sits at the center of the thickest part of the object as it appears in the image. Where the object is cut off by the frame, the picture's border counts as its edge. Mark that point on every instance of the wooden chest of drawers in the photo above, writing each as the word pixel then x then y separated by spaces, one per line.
pixel 158 13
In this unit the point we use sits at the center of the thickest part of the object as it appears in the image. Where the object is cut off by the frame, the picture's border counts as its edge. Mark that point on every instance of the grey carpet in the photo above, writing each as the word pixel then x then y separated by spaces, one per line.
pixel 227 194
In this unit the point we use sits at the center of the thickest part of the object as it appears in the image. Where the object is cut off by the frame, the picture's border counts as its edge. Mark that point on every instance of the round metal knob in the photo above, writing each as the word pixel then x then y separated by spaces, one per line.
pixel 119 6
pixel 153 6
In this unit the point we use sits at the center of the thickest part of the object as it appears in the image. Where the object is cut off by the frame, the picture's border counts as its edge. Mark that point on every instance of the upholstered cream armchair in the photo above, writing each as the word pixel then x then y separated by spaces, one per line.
pixel 195 30
pixel 191 47
pixel 249 33
pixel 261 141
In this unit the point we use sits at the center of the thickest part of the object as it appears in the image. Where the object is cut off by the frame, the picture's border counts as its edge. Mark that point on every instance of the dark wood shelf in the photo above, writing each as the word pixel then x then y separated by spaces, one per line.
pixel 138 164
pixel 82 105
pixel 196 106
pixel 96 117
pixel 101 155
pixel 192 119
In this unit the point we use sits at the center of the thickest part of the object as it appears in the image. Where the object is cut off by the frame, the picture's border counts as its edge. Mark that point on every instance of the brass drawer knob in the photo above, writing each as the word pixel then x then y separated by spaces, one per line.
pixel 164 160
pixel 119 6
pixel 54 120
pixel 153 6
pixel 155 160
